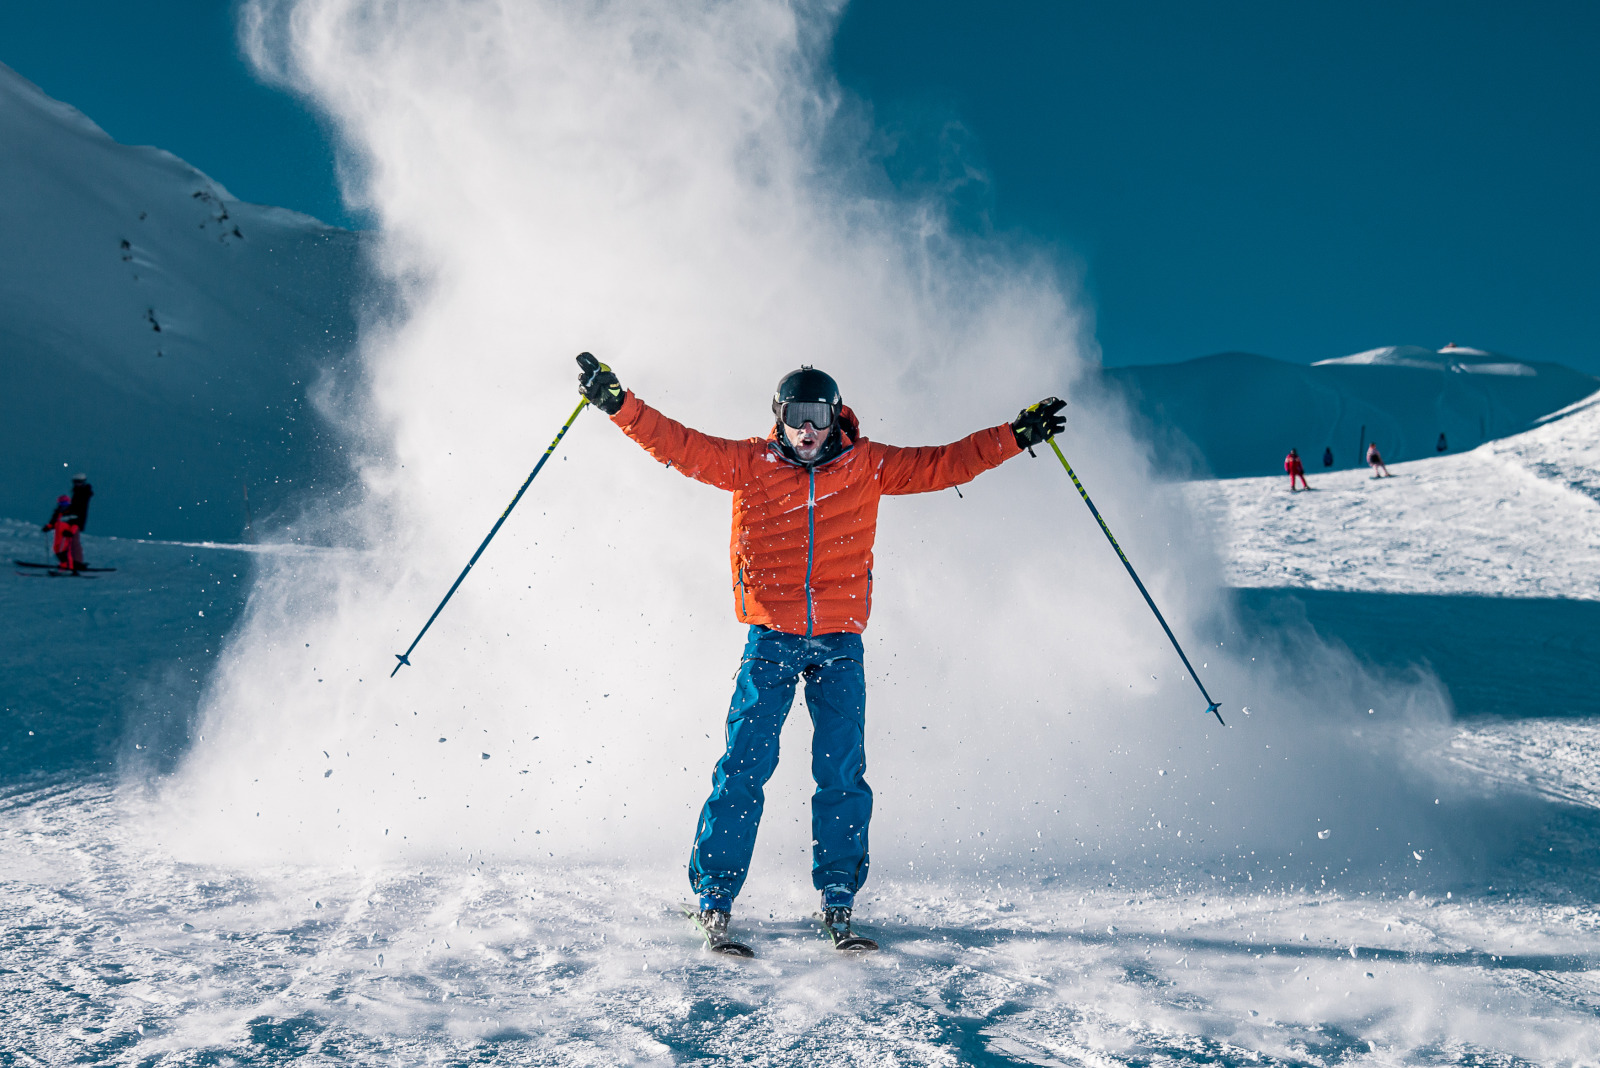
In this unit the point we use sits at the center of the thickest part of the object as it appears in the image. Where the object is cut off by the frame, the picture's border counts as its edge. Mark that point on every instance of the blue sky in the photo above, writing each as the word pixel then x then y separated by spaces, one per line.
pixel 1299 180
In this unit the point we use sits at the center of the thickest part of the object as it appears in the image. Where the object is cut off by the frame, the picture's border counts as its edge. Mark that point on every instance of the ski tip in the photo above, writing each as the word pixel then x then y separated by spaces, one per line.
pixel 404 662
pixel 732 949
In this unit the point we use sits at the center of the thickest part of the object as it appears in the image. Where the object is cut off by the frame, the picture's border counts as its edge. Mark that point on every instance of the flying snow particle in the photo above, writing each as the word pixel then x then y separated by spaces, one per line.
pixel 1323 834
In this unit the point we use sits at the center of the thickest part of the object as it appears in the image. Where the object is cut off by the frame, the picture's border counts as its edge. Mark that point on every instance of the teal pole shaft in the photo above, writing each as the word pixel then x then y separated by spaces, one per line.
pixel 405 657
pixel 1211 706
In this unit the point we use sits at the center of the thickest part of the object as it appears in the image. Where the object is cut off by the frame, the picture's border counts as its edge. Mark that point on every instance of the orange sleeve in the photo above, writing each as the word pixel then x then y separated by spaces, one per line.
pixel 937 467
pixel 720 462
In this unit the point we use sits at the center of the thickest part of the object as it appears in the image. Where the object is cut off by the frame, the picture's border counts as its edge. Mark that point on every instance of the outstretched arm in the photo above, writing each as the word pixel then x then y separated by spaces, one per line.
pixel 715 461
pixel 922 470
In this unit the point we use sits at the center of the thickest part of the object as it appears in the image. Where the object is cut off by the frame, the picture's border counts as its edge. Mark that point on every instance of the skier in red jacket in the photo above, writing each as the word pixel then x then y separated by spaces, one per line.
pixel 1296 469
pixel 65 526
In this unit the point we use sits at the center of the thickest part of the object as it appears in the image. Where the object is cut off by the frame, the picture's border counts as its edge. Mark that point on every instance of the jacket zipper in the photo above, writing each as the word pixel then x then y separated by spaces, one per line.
pixel 811 547
pixel 741 590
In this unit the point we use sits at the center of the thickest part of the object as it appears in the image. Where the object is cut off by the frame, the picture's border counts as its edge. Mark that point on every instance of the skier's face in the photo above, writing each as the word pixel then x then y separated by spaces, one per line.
pixel 806 442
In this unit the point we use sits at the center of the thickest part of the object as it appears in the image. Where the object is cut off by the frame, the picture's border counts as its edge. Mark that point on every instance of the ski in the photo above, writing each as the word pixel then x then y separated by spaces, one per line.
pixel 57 567
pixel 844 936
pixel 53 573
pixel 725 946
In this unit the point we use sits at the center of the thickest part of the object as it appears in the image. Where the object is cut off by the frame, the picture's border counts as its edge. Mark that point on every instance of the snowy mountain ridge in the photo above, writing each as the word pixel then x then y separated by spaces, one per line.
pixel 1458 359
pixel 156 333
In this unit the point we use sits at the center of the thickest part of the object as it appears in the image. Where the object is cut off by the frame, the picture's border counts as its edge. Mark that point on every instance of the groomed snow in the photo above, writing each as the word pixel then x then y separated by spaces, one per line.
pixel 1519 517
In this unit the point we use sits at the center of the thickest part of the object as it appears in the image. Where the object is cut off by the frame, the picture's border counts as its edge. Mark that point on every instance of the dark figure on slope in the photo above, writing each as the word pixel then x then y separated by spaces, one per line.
pixel 1375 461
pixel 1296 469
pixel 81 492
pixel 1443 446
pixel 1327 456
pixel 805 509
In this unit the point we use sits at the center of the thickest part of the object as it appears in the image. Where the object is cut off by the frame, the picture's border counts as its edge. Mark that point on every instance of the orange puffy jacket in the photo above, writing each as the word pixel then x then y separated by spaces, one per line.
pixel 802 536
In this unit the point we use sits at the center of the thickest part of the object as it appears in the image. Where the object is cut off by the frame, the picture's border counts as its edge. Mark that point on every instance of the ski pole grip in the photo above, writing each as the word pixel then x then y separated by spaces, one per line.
pixel 590 364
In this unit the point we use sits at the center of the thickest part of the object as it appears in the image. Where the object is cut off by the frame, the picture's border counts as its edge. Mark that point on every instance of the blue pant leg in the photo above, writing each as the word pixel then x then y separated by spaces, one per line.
pixel 841 808
pixel 726 836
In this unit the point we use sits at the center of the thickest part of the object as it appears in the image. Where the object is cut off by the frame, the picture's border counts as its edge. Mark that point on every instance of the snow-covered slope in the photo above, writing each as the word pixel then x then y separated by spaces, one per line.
pixel 116 950
pixel 1516 517
pixel 1236 414
pixel 155 333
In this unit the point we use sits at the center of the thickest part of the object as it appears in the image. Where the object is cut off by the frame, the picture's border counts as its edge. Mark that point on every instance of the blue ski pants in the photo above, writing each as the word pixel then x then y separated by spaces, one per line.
pixel 836 694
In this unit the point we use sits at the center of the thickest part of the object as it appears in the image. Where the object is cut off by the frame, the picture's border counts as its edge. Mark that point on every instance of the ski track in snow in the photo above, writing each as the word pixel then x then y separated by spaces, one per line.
pixel 1518 517
pixel 114 952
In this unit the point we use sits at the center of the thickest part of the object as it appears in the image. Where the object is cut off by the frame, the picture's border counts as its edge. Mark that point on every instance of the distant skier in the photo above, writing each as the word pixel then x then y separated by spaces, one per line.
pixel 65 527
pixel 805 508
pixel 81 492
pixel 1296 469
pixel 1327 456
pixel 1443 445
pixel 1375 461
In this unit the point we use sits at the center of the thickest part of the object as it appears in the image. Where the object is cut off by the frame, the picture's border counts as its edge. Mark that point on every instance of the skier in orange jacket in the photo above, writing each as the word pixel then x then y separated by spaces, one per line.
pixel 805 510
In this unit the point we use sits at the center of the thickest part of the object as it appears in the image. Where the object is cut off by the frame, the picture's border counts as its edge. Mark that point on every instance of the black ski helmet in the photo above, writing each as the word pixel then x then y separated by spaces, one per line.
pixel 806 384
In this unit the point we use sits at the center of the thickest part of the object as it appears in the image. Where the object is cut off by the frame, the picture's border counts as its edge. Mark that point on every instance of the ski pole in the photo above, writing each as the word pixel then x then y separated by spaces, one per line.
pixel 1211 706
pixel 405 657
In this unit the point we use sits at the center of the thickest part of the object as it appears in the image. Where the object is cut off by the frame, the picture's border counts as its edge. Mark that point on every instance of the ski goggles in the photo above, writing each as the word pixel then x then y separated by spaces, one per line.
pixel 796 414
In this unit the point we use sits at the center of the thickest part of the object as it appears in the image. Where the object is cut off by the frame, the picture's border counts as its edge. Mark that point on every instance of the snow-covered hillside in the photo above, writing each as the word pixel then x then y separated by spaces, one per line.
pixel 1517 517
pixel 1236 414
pixel 155 333
pixel 1483 568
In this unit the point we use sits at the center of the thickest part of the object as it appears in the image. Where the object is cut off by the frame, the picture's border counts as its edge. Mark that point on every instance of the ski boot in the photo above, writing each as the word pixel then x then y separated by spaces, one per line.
pixel 836 927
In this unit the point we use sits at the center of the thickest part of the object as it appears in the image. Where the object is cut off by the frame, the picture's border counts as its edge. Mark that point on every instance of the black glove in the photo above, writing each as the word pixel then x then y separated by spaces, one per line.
pixel 1038 423
pixel 596 382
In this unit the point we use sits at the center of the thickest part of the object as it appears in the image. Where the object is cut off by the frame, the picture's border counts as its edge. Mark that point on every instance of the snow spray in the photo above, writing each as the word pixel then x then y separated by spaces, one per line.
pixel 685 190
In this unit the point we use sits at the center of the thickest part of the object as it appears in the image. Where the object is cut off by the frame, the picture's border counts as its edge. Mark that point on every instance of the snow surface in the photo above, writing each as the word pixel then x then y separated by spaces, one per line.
pixel 156 333
pixel 1518 517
